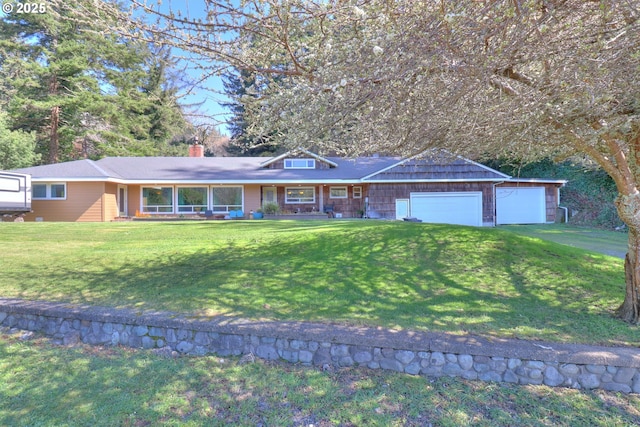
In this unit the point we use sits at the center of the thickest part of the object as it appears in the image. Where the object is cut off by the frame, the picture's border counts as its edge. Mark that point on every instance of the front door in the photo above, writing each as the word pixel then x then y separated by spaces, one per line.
pixel 122 200
pixel 269 195
pixel 402 208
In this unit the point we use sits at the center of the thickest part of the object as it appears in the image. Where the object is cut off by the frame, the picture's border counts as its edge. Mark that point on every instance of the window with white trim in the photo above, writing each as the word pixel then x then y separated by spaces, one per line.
pixel 49 191
pixel 193 199
pixel 157 199
pixel 299 163
pixel 357 192
pixel 300 195
pixel 227 199
pixel 338 193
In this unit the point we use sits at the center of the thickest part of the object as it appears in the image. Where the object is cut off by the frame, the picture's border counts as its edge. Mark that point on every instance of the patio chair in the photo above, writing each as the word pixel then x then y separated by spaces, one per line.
pixel 328 209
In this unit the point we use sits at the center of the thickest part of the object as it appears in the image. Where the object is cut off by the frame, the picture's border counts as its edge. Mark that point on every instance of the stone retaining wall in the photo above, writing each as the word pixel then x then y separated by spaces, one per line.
pixel 426 354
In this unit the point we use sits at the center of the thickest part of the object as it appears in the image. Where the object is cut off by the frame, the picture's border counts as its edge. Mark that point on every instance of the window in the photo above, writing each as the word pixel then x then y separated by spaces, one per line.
pixel 338 193
pixel 192 199
pixel 58 191
pixel 300 195
pixel 157 199
pixel 357 192
pixel 52 191
pixel 299 164
pixel 39 191
pixel 227 199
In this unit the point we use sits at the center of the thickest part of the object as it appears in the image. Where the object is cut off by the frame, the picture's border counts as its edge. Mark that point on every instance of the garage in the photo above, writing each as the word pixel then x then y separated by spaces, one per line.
pixel 520 205
pixel 463 208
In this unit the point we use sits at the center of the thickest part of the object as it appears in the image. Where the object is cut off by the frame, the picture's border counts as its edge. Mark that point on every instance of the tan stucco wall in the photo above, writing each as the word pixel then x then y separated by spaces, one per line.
pixel 110 203
pixel 133 199
pixel 84 202
pixel 252 197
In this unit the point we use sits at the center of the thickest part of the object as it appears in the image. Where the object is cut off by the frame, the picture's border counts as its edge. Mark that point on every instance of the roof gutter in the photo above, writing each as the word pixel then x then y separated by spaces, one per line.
pixel 392 181
pixel 79 179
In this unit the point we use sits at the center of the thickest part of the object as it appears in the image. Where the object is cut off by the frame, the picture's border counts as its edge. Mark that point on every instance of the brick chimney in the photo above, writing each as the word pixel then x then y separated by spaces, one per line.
pixel 196 150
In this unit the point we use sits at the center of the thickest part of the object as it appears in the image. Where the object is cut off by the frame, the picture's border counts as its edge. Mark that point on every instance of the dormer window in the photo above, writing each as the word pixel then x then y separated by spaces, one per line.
pixel 299 163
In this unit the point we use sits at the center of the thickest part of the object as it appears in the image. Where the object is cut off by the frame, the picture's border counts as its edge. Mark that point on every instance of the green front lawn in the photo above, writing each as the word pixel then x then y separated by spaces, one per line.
pixel 614 243
pixel 376 273
pixel 45 385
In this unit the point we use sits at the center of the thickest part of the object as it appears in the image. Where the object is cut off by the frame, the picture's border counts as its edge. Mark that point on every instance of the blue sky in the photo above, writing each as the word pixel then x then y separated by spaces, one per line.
pixel 209 93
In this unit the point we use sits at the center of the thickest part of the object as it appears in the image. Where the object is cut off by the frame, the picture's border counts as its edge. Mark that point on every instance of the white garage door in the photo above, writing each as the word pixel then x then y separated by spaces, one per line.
pixel 464 208
pixel 518 205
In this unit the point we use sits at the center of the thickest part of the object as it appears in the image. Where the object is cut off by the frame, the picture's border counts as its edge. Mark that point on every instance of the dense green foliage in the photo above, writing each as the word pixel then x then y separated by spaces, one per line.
pixel 17 148
pixel 82 92
pixel 376 273
pixel 238 86
pixel 589 193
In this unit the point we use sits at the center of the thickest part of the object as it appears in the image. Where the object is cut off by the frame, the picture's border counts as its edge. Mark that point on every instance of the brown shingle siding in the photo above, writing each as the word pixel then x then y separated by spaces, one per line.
pixel 382 197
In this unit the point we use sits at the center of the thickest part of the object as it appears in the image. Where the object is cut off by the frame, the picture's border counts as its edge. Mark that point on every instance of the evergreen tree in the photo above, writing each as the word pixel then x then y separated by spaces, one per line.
pixel 166 119
pixel 84 92
pixel 238 87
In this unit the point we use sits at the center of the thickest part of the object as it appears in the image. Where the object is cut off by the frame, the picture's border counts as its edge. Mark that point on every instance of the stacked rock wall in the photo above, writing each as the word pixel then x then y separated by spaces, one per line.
pixel 430 355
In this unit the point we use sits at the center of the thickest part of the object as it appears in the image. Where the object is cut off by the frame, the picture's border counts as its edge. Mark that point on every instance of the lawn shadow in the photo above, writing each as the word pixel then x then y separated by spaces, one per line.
pixel 408 276
pixel 103 387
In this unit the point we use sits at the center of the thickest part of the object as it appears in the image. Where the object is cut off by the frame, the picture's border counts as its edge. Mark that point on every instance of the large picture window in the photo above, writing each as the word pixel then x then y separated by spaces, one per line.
pixel 49 191
pixel 300 195
pixel 192 199
pixel 157 199
pixel 227 199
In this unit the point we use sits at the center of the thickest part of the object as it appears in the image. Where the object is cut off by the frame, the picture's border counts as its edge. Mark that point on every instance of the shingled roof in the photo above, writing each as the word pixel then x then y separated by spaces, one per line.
pixel 241 170
pixel 436 168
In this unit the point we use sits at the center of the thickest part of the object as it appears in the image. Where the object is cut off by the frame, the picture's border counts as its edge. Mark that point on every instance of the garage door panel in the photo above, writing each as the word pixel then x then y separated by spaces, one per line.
pixel 520 205
pixel 462 208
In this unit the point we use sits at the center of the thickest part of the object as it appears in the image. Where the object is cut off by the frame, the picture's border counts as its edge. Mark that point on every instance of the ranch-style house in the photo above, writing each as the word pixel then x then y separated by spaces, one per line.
pixel 431 188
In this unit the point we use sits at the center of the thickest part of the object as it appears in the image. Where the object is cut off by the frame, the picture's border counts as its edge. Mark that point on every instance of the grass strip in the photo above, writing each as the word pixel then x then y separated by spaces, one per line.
pixel 46 385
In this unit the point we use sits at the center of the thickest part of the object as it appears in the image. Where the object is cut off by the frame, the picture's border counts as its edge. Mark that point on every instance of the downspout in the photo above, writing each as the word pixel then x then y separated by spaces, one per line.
pixel 566 210
pixel 495 203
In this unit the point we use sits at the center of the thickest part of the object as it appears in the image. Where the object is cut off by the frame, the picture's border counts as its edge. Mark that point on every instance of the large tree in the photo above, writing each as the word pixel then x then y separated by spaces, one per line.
pixel 242 88
pixel 516 78
pixel 82 90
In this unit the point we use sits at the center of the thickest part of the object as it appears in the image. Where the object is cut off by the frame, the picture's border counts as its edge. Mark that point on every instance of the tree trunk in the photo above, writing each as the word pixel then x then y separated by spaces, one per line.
pixel 628 207
pixel 629 311
pixel 54 138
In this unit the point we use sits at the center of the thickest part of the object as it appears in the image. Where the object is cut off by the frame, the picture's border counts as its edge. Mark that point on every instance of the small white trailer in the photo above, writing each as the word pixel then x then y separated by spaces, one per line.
pixel 15 193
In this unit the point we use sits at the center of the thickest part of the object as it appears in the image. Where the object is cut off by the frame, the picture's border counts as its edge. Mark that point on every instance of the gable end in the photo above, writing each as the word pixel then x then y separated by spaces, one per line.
pixel 278 162
pixel 434 169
